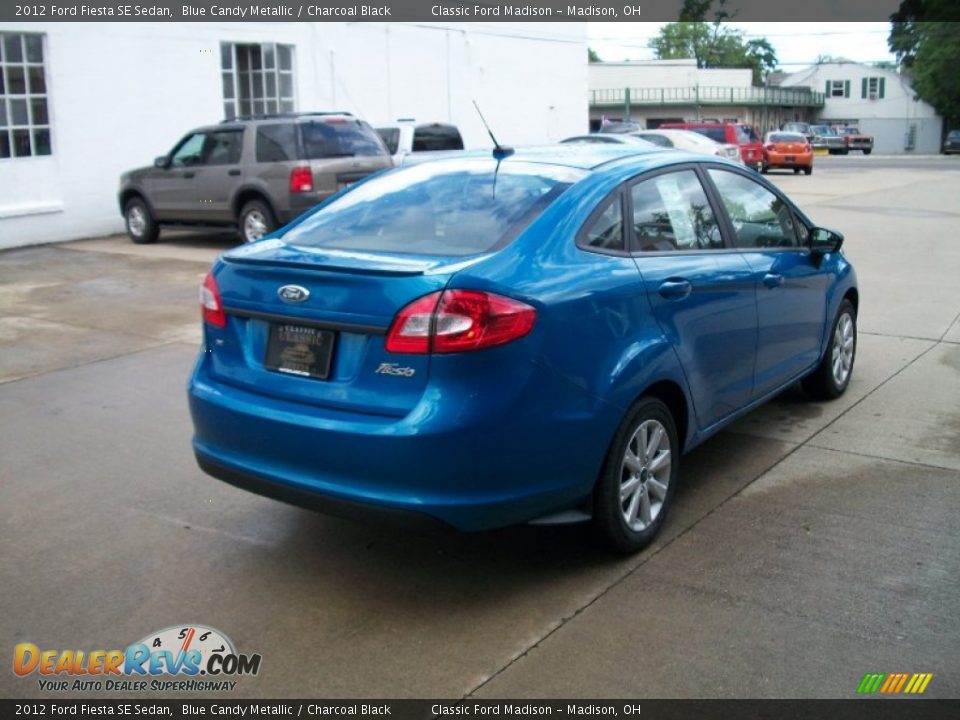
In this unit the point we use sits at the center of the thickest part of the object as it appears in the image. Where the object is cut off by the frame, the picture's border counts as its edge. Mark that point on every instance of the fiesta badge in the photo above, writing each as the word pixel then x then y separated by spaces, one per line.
pixel 293 293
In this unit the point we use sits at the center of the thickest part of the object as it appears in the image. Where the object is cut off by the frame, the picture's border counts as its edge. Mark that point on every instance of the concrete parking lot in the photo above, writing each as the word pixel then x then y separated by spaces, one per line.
pixel 810 543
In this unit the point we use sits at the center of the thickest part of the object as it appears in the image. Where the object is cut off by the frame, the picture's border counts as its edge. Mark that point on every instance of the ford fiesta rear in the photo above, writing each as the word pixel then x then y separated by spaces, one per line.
pixel 359 366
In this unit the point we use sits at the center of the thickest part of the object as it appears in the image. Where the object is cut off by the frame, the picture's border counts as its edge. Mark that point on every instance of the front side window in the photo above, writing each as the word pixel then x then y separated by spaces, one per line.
pixel 671 212
pixel 24 110
pixel 189 152
pixel 605 231
pixel 760 218
pixel 447 209
pixel 257 79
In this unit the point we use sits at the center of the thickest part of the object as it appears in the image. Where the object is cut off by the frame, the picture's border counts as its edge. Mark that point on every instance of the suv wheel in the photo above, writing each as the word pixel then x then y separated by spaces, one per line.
pixel 141 227
pixel 638 479
pixel 256 220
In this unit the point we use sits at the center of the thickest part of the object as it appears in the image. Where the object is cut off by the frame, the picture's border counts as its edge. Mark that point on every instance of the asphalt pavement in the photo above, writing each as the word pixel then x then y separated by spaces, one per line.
pixel 810 542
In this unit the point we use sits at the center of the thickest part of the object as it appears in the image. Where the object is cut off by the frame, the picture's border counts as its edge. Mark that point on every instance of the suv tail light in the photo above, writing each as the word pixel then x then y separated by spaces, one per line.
pixel 451 321
pixel 210 306
pixel 301 180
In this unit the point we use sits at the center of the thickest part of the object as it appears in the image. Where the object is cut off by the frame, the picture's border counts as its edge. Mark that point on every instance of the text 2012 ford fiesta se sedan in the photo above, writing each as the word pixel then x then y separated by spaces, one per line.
pixel 498 338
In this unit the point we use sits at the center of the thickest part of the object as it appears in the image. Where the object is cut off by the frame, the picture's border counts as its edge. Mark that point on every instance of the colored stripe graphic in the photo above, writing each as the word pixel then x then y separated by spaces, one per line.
pixel 894 683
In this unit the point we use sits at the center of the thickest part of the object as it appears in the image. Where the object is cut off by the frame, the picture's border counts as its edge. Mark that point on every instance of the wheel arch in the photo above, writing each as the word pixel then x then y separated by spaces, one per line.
pixel 245 195
pixel 672 395
pixel 128 194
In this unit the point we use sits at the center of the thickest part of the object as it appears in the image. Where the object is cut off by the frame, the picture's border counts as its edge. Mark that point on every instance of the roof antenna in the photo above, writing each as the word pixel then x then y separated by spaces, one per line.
pixel 499 151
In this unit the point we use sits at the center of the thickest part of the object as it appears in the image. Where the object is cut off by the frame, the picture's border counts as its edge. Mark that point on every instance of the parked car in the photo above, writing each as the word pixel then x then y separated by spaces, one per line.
pixel 500 338
pixel 856 140
pixel 407 136
pixel 252 173
pixel 798 127
pixel 606 139
pixel 740 134
pixel 691 142
pixel 951 143
pixel 827 138
pixel 787 150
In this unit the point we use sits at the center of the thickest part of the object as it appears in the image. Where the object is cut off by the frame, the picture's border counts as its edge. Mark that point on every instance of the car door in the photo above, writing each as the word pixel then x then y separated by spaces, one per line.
pixel 172 189
pixel 700 291
pixel 216 175
pixel 790 283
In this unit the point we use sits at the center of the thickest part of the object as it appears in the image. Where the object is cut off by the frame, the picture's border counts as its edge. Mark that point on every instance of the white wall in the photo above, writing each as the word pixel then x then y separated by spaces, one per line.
pixel 122 94
pixel 888 119
pixel 663 74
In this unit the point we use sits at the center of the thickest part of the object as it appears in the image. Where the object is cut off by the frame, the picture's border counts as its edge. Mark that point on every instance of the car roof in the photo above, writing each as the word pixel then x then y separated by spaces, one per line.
pixel 586 156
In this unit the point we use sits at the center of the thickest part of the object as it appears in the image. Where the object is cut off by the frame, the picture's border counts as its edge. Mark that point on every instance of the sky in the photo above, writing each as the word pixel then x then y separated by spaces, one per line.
pixel 797 43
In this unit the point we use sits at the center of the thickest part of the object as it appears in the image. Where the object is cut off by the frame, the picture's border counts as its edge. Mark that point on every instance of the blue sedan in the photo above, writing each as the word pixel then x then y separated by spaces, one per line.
pixel 493 339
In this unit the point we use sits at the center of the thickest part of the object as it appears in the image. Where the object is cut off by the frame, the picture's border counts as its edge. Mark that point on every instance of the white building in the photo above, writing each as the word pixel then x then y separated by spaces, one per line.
pixel 653 92
pixel 83 102
pixel 880 102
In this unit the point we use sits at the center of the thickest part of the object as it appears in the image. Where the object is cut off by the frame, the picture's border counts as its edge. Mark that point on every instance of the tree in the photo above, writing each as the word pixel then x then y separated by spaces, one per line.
pixel 592 56
pixel 925 37
pixel 714 46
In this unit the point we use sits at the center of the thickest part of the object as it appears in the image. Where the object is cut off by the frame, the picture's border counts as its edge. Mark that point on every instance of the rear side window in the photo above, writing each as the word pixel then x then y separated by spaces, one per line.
pixel 436 137
pixel 444 208
pixel 605 231
pixel 339 138
pixel 276 143
pixel 717 134
pixel 223 147
pixel 746 135
pixel 390 137
pixel 671 212
pixel 760 218
pixel 661 140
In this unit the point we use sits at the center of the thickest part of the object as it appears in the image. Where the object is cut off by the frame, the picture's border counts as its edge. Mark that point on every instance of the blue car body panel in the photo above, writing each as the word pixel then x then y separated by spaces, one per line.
pixel 504 435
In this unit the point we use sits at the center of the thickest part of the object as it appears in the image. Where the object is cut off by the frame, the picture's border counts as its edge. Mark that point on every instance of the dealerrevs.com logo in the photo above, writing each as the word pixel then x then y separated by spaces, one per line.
pixel 176 659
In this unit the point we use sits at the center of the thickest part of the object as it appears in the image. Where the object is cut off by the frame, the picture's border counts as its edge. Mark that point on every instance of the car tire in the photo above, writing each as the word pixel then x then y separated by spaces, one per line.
pixel 832 376
pixel 256 220
pixel 141 227
pixel 867 152
pixel 808 170
pixel 644 457
pixel 796 171
pixel 764 169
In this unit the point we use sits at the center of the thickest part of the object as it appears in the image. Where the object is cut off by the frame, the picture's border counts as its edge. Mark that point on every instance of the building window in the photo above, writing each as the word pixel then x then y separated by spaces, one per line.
pixel 257 79
pixel 24 114
pixel 838 88
pixel 873 88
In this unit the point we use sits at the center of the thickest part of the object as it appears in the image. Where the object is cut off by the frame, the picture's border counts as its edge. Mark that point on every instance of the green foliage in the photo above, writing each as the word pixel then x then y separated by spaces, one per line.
pixel 592 56
pixel 925 36
pixel 714 46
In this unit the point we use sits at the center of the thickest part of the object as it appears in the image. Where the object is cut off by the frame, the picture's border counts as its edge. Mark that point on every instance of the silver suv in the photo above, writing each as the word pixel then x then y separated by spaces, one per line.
pixel 252 173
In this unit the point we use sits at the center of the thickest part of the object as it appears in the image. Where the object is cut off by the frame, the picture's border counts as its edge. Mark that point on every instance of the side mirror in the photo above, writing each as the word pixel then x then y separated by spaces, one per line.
pixel 162 162
pixel 824 240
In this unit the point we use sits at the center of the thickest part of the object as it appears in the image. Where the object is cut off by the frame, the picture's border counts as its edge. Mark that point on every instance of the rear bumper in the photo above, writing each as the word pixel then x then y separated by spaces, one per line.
pixel 473 463
pixel 780 160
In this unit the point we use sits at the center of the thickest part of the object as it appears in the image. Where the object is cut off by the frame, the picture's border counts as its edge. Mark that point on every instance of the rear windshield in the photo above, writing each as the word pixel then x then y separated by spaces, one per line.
pixel 390 137
pixel 339 138
pixel 786 137
pixel 746 135
pixel 717 134
pixel 436 137
pixel 442 208
pixel 953 135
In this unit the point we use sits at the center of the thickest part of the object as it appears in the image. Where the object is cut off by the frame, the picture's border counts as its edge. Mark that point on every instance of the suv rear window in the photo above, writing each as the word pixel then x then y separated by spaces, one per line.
pixel 339 138
pixel 718 134
pixel 445 208
pixel 436 137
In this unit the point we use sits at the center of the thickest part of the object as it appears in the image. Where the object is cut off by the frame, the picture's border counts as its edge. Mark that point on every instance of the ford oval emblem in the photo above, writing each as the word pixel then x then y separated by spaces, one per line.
pixel 293 293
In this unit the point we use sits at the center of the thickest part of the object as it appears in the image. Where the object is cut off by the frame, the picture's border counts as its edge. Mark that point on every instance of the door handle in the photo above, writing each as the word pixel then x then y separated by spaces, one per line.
pixel 188 174
pixel 233 172
pixel 772 280
pixel 675 288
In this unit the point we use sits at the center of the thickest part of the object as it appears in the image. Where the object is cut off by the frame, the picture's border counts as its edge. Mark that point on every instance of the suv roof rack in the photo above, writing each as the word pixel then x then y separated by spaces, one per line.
pixel 288 115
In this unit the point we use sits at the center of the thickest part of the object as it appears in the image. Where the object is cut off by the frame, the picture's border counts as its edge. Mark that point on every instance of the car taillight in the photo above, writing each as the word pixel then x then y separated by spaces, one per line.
pixel 301 180
pixel 771 147
pixel 451 321
pixel 210 305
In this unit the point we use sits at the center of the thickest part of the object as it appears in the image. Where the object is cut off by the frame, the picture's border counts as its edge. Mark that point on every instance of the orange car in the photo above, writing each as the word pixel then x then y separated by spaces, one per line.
pixel 787 150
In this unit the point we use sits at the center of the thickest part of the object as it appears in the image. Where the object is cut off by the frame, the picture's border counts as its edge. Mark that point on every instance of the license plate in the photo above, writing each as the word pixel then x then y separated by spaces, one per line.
pixel 300 350
pixel 791 158
pixel 343 185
